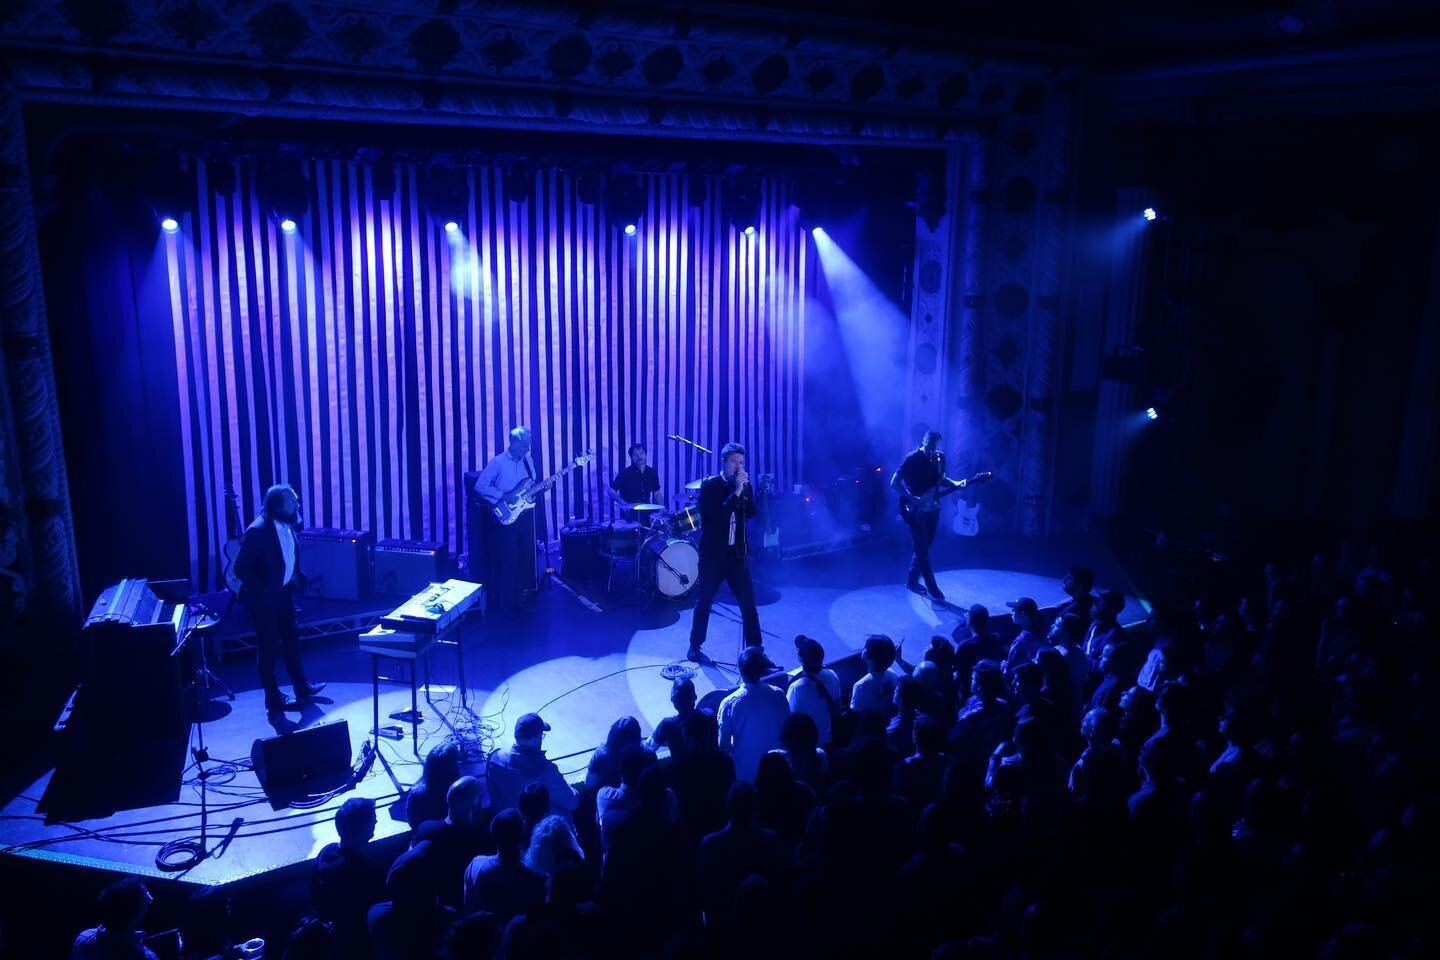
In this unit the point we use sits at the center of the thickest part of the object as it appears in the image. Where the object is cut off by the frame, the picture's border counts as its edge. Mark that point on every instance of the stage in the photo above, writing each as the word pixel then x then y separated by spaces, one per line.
pixel 582 659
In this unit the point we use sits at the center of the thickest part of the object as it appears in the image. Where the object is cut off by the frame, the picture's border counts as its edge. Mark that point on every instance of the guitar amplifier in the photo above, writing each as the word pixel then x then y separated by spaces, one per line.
pixel 337 563
pixel 405 567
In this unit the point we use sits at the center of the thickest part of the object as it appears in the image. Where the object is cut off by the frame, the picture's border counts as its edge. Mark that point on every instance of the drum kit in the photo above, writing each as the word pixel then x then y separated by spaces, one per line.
pixel 664 546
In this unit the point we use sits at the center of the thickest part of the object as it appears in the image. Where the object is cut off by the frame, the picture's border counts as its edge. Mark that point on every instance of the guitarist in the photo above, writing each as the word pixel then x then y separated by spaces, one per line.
pixel 512 547
pixel 922 470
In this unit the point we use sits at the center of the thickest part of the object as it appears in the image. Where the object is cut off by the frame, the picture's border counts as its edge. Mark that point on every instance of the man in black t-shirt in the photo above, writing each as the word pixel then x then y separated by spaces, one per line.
pixel 637 483
pixel 921 471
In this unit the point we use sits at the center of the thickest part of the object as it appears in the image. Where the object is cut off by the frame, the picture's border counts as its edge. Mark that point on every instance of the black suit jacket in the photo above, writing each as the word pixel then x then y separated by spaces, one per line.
pixel 717 503
pixel 261 566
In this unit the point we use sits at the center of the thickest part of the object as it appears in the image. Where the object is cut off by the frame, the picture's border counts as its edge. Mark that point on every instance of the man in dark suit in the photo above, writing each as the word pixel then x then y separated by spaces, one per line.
pixel 726 502
pixel 269 570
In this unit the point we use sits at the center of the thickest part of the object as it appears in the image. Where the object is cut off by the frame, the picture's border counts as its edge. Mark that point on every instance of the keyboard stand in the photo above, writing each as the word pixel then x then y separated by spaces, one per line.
pixel 414 716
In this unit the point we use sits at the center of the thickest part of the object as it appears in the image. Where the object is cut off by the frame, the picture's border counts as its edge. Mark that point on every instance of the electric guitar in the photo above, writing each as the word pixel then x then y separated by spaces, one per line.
pixel 929 501
pixel 967 519
pixel 522 497
pixel 231 549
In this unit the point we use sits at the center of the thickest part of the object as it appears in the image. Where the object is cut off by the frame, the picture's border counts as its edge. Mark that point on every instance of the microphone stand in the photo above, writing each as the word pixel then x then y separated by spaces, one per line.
pixel 689 443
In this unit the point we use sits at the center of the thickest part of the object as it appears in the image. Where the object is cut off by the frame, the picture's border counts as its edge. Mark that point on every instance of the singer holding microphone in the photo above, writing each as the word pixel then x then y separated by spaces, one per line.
pixel 726 502
pixel 268 567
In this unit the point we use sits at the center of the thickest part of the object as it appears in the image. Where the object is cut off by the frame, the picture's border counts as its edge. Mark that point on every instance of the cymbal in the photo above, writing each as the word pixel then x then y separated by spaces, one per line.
pixel 695 484
pixel 647 508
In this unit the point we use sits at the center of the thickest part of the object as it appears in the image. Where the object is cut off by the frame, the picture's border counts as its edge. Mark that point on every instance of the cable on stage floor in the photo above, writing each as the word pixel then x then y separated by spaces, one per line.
pixel 677 670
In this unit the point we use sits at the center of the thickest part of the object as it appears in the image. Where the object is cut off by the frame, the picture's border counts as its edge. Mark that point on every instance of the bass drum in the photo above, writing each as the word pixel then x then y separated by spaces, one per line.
pixel 668 567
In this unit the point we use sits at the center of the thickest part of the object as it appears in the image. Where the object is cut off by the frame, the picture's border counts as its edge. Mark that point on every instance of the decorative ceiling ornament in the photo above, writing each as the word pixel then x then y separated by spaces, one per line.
pixel 440 63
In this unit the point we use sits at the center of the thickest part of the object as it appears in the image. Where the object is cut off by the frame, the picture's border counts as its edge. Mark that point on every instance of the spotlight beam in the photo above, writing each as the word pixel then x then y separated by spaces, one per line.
pixel 873 333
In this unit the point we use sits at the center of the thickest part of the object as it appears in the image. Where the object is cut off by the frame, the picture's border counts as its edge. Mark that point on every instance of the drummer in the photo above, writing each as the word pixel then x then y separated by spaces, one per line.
pixel 638 483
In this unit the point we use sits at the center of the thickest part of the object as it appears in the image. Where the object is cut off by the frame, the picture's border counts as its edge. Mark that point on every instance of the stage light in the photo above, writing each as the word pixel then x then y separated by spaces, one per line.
pixel 451 226
pixel 1152 414
pixel 169 225
pixel 1291 24
pixel 1149 213
pixel 750 230
pixel 629 229
pixel 287 225
pixel 817 231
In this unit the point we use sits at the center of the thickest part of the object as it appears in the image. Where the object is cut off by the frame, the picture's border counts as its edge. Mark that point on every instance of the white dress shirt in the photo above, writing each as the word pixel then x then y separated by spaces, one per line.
pixel 286 535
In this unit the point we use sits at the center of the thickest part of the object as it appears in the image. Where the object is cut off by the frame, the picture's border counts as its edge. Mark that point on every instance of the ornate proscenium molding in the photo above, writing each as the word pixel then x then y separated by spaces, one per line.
pixel 39 579
pixel 563 67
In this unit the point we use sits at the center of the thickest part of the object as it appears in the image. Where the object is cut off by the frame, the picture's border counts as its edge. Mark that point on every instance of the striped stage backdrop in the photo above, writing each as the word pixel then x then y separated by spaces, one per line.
pixel 371 358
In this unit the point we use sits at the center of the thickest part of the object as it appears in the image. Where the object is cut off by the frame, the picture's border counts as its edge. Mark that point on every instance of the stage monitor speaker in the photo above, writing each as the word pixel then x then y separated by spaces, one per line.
pixel 303 763
pixel 405 567
pixel 337 563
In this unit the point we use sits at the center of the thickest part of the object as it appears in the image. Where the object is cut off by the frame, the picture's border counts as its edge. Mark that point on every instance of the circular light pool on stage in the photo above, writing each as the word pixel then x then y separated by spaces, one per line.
pixel 169 225
pixel 287 225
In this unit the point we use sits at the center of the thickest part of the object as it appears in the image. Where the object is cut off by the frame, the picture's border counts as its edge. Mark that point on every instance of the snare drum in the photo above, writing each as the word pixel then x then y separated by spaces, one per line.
pixel 620 539
pixel 684 522
pixel 668 567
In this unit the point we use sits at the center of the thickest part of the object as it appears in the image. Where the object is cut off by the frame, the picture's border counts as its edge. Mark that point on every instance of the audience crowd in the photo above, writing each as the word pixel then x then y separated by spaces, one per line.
pixel 1240 775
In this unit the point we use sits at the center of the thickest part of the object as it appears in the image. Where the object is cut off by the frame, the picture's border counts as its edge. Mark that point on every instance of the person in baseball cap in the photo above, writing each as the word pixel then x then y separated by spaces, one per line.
pixel 1026 614
pixel 815 691
pixel 1024 605
pixel 530 726
pixel 509 769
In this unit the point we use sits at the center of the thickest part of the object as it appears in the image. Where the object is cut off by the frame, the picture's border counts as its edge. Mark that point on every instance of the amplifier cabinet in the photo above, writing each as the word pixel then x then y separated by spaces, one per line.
pixel 337 563
pixel 405 567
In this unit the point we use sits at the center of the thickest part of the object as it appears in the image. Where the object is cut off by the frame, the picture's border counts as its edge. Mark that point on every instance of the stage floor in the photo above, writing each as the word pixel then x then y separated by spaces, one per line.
pixel 581 660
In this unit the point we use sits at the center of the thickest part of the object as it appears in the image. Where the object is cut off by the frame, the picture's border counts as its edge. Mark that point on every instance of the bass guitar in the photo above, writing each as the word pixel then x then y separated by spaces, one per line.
pixel 522 498
pixel 929 501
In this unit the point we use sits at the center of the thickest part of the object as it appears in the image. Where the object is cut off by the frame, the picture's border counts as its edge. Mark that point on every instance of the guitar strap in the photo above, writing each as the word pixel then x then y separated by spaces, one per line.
pixel 830 704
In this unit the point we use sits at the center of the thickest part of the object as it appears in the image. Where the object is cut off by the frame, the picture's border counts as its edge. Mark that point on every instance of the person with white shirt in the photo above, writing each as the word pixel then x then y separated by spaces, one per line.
pixel 875 692
pixel 752 716
pixel 511 546
pixel 815 691
pixel 268 567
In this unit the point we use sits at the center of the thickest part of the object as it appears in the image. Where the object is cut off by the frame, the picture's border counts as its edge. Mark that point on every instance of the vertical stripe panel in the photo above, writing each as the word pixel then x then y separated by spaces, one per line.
pixel 291 349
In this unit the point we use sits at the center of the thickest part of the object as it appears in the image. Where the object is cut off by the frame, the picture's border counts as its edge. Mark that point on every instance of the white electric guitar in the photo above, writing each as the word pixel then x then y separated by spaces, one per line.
pixel 967 519
pixel 522 497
